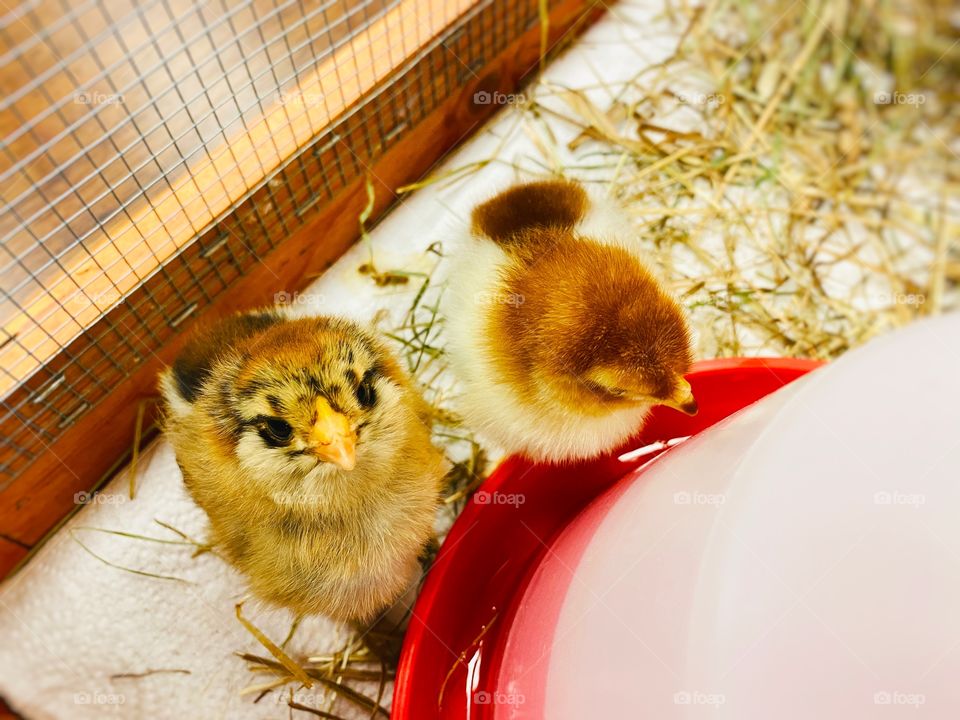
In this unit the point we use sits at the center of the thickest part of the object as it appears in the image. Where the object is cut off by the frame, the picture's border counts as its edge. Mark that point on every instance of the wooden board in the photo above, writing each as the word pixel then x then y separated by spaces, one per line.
pixel 11 553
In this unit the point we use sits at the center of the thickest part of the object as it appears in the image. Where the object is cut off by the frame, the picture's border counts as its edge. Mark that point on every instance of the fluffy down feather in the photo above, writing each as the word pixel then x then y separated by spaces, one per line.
pixel 560 334
pixel 309 450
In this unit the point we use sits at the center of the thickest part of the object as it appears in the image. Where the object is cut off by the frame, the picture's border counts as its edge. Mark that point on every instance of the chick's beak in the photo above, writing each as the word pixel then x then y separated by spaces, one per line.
pixel 332 438
pixel 682 398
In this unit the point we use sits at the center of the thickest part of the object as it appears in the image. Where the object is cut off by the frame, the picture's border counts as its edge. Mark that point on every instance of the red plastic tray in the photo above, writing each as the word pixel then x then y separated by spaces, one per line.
pixel 462 613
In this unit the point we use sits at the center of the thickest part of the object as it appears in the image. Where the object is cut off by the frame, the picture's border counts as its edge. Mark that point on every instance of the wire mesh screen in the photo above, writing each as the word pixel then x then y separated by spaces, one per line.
pixel 153 152
pixel 130 127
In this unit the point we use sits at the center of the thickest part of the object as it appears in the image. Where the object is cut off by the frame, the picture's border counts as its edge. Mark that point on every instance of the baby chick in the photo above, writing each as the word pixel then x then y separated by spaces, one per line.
pixel 562 338
pixel 307 447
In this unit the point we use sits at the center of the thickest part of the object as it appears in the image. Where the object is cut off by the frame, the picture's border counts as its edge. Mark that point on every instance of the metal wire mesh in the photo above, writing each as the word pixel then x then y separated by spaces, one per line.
pixel 154 152
pixel 97 154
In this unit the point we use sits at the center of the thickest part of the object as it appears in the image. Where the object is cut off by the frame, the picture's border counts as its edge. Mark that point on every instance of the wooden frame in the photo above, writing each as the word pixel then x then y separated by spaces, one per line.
pixel 41 497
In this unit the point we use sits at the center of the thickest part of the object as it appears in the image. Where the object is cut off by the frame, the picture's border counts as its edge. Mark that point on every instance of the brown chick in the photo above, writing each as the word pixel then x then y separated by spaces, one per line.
pixel 561 336
pixel 307 447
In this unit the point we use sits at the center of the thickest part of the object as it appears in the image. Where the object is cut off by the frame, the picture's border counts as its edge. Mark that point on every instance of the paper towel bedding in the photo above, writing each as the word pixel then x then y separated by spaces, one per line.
pixel 82 639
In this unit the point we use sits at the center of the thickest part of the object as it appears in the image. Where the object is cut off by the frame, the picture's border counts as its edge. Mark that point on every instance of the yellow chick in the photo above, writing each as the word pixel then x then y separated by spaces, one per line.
pixel 560 335
pixel 309 450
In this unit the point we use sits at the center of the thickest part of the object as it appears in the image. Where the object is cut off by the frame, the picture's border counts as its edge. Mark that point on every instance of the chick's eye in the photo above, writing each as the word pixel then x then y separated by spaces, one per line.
pixel 603 390
pixel 278 430
pixel 366 395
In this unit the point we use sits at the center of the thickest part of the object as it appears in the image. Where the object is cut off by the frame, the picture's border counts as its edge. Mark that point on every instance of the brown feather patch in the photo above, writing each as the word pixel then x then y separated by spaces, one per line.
pixel 192 367
pixel 580 306
pixel 550 203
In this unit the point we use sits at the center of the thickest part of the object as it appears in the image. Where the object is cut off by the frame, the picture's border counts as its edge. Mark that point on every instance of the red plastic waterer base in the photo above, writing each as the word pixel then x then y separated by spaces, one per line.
pixel 462 613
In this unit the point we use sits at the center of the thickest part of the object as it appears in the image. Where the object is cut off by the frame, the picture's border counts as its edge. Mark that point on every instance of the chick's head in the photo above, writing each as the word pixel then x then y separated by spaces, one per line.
pixel 314 396
pixel 626 370
pixel 600 328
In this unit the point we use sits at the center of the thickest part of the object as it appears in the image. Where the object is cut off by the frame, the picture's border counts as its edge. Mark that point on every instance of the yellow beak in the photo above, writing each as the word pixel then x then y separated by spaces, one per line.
pixel 682 398
pixel 331 437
